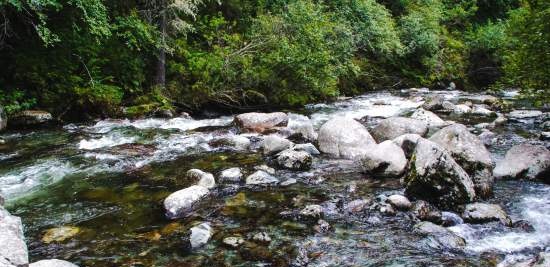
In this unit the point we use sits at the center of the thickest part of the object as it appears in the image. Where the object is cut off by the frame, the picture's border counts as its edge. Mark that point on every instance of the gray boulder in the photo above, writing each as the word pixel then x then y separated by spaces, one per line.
pixel 432 120
pixel 399 202
pixel 470 153
pixel 181 202
pixel 302 125
pixel 52 263
pixel 205 179
pixel 481 110
pixel 386 159
pixel 393 127
pixel 3 119
pixel 12 241
pixel 434 103
pixel 518 115
pixel 344 137
pixel 435 176
pixel 261 178
pixel 294 160
pixel 30 118
pixel 438 236
pixel 483 212
pixel 309 148
pixel 200 235
pixel 232 174
pixel 525 161
pixel 260 122
pixel 273 144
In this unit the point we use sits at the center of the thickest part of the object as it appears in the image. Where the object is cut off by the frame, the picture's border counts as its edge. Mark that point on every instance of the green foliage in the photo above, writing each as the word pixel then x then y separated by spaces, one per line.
pixel 15 100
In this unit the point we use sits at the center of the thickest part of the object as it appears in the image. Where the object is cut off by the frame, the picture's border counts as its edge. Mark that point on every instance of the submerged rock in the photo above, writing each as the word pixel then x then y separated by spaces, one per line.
pixel 470 153
pixel 28 118
pixel 399 202
pixel 12 241
pixel 182 201
pixel 393 127
pixel 525 161
pixel 434 176
pixel 200 235
pixel 60 234
pixel 432 120
pixel 259 122
pixel 205 179
pixel 273 144
pixel 385 159
pixel 232 174
pixel 261 178
pixel 294 160
pixel 52 263
pixel 344 138
pixel 441 236
pixel 483 212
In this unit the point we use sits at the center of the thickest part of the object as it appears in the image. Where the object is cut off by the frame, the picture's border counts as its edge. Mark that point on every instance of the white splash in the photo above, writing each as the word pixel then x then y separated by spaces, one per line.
pixel 110 140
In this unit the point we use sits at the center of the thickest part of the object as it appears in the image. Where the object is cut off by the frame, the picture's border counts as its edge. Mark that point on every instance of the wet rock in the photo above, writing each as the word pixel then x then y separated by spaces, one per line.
pixel 29 118
pixel 261 178
pixel 525 161
pixel 399 202
pixel 450 219
pixel 322 226
pixel 487 137
pixel 432 120
pixel 273 144
pixel 12 242
pixel 314 211
pixel 289 181
pixel 483 212
pixel 387 209
pixel 441 236
pixel 461 109
pixel 302 125
pixel 132 150
pixel 344 137
pixel 544 136
pixel 393 127
pixel 524 225
pixel 470 153
pixel 434 176
pixel 3 119
pixel 386 159
pixel 200 235
pixel 233 241
pixel 357 205
pixel 179 203
pixel 309 148
pixel 52 263
pixel 545 126
pixel 481 110
pixel 259 122
pixel 261 237
pixel 407 142
pixel 294 160
pixel 434 103
pixel 500 120
pixel 518 115
pixel 265 168
pixel 232 175
pixel 424 211
pixel 238 142
pixel 60 234
pixel 205 179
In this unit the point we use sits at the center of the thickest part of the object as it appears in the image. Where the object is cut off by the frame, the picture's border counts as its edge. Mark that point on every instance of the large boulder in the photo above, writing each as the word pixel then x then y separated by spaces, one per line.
pixel 483 212
pixel 344 137
pixel 181 202
pixel 432 120
pixel 407 142
pixel 525 161
pixel 438 236
pixel 294 160
pixel 386 159
pixel 273 144
pixel 30 118
pixel 12 242
pixel 435 176
pixel 393 127
pixel 259 122
pixel 434 103
pixel 3 119
pixel 470 152
pixel 52 263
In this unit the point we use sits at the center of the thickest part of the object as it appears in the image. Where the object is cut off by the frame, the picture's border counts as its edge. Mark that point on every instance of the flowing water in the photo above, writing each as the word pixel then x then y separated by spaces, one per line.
pixel 109 179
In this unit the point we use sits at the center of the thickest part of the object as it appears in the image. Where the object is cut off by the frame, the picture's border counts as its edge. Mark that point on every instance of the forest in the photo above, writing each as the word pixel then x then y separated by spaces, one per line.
pixel 83 59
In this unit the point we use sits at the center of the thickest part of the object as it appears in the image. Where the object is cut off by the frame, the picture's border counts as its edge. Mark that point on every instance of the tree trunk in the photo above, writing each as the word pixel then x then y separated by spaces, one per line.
pixel 160 77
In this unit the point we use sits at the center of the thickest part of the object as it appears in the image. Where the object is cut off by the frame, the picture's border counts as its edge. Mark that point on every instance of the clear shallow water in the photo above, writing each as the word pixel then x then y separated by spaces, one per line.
pixel 109 179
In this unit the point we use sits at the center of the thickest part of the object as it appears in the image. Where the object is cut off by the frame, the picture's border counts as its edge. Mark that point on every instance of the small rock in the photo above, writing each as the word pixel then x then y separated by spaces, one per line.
pixel 200 235
pixel 442 237
pixel 312 211
pixel 487 137
pixel 309 148
pixel 273 144
pixel 386 159
pixel 52 263
pixel 180 202
pixel 289 181
pixel 432 120
pixel 259 122
pixel 261 237
pixel 261 178
pixel 31 118
pixel 233 241
pixel 393 127
pixel 232 174
pixel 294 160
pixel 480 110
pixel 387 209
pixel 483 212
pixel 60 234
pixel 426 212
pixel 525 161
pixel 344 137
pixel 500 120
pixel 545 126
pixel 204 178
pixel 433 103
pixel 322 226
pixel 545 136
pixel 399 202
pixel 265 168
pixel 357 205
pixel 450 219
